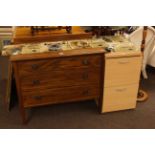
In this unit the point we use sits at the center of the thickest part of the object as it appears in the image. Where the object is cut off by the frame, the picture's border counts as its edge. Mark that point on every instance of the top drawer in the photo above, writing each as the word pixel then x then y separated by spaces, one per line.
pixel 47 65
pixel 120 71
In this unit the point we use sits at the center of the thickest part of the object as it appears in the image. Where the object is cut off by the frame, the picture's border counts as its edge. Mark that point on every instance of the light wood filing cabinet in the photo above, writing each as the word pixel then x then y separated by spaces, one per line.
pixel 121 80
pixel 50 78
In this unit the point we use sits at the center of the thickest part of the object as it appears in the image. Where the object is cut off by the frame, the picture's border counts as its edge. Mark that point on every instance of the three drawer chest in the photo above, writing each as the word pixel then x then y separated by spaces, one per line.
pixel 58 77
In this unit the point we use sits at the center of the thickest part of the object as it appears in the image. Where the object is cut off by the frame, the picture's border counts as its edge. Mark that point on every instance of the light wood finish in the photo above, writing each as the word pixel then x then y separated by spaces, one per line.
pixel 121 71
pixel 23 35
pixel 122 54
pixel 57 79
pixel 120 98
pixel 121 81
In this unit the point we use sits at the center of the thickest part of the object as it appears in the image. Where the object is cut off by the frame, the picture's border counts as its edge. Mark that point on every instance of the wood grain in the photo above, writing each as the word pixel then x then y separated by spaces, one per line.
pixel 39 67
pixel 19 92
pixel 63 78
pixel 60 95
pixel 52 79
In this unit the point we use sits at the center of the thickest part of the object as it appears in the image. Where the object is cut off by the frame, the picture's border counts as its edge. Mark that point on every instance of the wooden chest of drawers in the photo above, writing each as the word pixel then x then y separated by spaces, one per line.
pixel 48 78
pixel 121 81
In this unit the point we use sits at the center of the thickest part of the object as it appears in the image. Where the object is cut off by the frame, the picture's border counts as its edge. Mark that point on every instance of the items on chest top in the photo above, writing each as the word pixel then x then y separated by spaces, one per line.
pixel 109 43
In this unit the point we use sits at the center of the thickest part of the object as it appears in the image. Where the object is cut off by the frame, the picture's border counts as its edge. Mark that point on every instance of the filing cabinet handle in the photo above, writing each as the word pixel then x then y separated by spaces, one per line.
pixel 85 92
pixel 37 97
pixel 85 76
pixel 34 66
pixel 121 89
pixel 85 62
pixel 123 62
pixel 36 82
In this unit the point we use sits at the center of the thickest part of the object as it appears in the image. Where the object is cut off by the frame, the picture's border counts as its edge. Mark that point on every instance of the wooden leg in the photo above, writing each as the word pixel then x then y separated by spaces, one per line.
pixel 99 104
pixel 22 111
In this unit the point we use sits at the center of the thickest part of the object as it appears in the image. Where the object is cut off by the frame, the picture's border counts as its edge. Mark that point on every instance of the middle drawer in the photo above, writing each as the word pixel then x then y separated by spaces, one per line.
pixel 63 78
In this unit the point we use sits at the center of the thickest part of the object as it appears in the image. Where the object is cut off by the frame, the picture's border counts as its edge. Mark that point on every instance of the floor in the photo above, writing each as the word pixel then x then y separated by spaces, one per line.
pixel 84 115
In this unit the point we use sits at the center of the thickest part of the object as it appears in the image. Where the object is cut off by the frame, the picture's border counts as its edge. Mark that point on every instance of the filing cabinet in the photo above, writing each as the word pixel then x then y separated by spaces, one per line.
pixel 121 80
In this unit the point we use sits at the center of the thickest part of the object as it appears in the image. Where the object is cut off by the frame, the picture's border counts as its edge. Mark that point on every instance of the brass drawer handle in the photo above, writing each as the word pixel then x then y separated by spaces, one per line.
pixel 37 97
pixel 34 50
pixel 85 62
pixel 36 82
pixel 34 66
pixel 85 92
pixel 121 89
pixel 85 76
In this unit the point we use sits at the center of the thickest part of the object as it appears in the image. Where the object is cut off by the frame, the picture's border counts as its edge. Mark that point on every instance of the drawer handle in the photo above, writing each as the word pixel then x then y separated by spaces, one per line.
pixel 121 89
pixel 85 62
pixel 37 97
pixel 36 82
pixel 35 66
pixel 85 92
pixel 123 62
pixel 85 76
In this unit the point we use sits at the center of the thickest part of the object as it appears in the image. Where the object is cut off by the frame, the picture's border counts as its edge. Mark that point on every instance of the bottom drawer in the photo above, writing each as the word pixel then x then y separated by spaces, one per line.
pixel 67 94
pixel 119 98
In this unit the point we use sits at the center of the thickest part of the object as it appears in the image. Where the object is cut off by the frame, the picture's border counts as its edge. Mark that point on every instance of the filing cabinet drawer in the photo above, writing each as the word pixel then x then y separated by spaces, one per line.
pixel 119 98
pixel 58 79
pixel 51 96
pixel 122 71
pixel 27 68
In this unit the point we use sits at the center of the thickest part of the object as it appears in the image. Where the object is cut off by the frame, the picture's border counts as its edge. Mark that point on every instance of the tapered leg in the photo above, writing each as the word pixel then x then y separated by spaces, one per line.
pixel 100 104
pixel 23 115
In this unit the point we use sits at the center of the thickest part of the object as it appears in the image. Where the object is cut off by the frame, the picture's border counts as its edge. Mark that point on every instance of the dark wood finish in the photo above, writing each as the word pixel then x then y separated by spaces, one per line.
pixel 102 74
pixel 47 66
pixel 21 106
pixel 60 95
pixel 144 39
pixel 58 79
pixel 36 29
pixel 107 30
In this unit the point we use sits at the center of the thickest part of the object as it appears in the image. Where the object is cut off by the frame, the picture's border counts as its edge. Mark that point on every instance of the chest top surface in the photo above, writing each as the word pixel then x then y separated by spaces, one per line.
pixel 117 44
